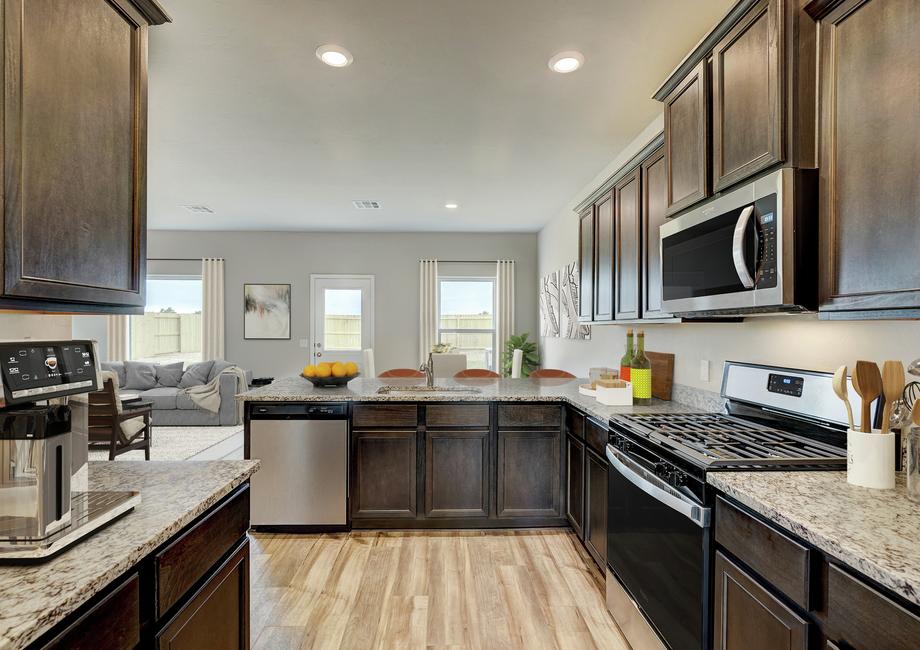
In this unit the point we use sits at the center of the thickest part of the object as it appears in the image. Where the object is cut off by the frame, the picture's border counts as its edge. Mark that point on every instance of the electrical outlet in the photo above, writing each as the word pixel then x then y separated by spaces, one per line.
pixel 304 343
pixel 704 370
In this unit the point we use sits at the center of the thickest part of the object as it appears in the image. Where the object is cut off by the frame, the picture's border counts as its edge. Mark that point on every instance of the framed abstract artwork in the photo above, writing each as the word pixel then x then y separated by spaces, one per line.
pixel 266 311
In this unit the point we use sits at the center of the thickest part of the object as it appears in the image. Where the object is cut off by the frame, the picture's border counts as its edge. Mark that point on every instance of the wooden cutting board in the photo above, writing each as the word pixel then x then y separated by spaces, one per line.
pixel 662 374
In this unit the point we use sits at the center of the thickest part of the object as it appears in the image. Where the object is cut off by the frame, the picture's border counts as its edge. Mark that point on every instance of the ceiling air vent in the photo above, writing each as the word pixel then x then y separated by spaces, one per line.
pixel 366 205
pixel 198 209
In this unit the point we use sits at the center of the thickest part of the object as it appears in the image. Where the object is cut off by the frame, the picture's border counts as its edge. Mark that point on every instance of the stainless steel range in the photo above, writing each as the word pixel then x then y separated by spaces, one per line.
pixel 659 521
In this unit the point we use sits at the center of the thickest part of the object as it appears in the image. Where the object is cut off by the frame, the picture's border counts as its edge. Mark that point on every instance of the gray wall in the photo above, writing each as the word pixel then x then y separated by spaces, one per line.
pixel 290 257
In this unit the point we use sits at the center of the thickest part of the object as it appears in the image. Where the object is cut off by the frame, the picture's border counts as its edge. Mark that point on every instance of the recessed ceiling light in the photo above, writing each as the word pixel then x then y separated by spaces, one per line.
pixel 451 206
pixel 334 55
pixel 566 62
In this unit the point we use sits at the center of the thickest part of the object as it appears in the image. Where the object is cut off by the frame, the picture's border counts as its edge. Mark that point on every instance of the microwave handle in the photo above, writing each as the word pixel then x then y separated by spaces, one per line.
pixel 738 248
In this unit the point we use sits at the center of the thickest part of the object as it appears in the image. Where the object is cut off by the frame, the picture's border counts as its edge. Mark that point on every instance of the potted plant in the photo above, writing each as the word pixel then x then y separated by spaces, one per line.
pixel 531 359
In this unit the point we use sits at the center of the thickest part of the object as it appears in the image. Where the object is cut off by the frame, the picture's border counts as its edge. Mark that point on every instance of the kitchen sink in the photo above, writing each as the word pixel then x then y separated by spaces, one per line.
pixel 389 390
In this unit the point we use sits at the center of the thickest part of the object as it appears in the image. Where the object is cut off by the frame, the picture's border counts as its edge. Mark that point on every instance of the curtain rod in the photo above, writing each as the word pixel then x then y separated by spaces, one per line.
pixel 466 261
pixel 173 259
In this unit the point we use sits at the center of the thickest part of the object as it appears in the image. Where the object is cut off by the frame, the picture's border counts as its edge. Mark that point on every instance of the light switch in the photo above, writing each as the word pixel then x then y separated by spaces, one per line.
pixel 704 370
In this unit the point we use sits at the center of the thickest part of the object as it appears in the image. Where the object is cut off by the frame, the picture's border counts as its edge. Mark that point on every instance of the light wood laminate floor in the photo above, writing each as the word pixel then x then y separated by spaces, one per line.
pixel 428 589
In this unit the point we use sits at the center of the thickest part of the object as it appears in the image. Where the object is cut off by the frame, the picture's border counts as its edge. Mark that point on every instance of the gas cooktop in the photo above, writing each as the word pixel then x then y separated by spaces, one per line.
pixel 713 441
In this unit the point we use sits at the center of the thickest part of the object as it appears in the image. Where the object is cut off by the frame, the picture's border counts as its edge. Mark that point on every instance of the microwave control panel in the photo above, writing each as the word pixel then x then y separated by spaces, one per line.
pixel 765 211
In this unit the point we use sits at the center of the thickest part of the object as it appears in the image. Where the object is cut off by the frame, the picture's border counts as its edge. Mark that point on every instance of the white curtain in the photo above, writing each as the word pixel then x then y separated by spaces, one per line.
pixel 504 326
pixel 116 334
pixel 212 308
pixel 428 307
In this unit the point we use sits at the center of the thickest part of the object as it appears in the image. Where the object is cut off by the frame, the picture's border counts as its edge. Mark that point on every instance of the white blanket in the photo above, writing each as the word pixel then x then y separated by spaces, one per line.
pixel 207 396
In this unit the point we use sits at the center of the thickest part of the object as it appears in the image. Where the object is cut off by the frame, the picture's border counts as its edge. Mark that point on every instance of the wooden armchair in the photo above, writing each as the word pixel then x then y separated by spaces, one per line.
pixel 110 424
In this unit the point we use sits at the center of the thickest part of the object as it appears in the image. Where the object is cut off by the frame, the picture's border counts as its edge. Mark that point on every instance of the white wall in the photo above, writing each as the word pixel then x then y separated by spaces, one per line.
pixel 34 326
pixel 285 257
pixel 794 341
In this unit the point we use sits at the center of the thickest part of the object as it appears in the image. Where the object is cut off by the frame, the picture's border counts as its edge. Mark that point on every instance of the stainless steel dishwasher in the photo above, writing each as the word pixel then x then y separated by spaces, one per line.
pixel 303 482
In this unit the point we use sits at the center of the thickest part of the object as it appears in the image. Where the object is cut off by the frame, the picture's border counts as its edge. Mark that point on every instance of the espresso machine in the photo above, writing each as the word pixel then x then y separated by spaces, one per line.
pixel 40 462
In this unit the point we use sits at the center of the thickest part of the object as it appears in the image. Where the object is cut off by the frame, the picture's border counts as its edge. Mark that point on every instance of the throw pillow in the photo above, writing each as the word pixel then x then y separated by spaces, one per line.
pixel 169 374
pixel 140 376
pixel 196 374
pixel 119 369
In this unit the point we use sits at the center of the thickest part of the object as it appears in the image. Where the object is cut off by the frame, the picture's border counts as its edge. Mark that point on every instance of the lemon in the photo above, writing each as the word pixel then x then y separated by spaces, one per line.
pixel 351 368
pixel 309 371
pixel 338 369
pixel 324 364
pixel 323 370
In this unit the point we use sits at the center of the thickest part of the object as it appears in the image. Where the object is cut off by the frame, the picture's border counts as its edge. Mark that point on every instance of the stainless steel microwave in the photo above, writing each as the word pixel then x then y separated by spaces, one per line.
pixel 752 250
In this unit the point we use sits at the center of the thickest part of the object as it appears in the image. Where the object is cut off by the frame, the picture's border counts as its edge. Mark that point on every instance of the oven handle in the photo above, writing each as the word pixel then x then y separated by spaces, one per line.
pixel 738 248
pixel 658 489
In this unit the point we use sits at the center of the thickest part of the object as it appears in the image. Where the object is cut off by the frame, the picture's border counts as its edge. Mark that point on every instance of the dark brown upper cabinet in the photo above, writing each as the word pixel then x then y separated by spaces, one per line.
pixel 686 139
pixel 869 161
pixel 628 240
pixel 586 264
pixel 74 154
pixel 746 107
pixel 604 211
pixel 654 211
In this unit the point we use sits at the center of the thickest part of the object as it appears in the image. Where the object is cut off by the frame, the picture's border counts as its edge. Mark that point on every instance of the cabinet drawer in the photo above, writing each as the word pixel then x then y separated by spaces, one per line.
pixel 529 415
pixel 217 616
pixel 575 423
pixel 457 415
pixel 184 561
pixel 115 622
pixel 862 618
pixel 596 436
pixel 384 415
pixel 778 558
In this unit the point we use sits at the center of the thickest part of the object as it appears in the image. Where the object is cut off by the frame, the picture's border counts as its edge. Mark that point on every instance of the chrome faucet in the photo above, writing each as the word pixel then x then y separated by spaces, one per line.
pixel 428 369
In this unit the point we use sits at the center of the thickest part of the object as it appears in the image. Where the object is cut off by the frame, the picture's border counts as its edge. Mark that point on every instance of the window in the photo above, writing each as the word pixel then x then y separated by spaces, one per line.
pixel 342 320
pixel 170 329
pixel 467 319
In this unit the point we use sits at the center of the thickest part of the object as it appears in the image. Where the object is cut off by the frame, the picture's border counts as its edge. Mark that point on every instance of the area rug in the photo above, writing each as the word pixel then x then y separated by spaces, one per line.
pixel 175 443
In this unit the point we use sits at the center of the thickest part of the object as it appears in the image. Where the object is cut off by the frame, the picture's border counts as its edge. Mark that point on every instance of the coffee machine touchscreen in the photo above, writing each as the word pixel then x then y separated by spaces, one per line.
pixel 43 365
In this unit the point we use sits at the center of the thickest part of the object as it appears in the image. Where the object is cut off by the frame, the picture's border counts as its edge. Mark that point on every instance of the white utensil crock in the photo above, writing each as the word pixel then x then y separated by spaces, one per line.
pixel 870 459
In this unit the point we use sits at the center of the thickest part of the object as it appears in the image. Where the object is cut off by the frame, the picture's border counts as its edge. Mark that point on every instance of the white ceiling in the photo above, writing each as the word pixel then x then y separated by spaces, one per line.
pixel 445 101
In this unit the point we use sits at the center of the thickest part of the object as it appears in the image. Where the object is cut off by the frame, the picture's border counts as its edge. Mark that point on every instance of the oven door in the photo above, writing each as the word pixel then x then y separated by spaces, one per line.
pixel 658 541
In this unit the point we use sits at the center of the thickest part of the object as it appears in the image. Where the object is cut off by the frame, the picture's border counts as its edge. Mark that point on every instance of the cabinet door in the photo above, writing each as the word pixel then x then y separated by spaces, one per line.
pixel 383 475
pixel 217 616
pixel 869 162
pixel 654 205
pixel 748 617
pixel 628 239
pixel 586 264
pixel 747 118
pixel 528 474
pixel 457 473
pixel 596 508
pixel 75 121
pixel 603 261
pixel 114 623
pixel 575 484
pixel 686 140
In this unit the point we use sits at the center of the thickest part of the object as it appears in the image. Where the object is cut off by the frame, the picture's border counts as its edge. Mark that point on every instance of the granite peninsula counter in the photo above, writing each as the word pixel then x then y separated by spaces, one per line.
pixel 34 598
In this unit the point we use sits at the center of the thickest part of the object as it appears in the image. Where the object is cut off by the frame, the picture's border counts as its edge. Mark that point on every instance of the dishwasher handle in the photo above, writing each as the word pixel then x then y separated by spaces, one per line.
pixel 300 411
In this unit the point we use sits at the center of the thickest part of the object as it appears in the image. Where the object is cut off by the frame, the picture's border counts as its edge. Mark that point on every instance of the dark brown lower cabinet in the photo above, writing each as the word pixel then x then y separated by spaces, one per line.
pixel 383 474
pixel 217 616
pixel 457 473
pixel 596 507
pixel 528 473
pixel 575 484
pixel 748 617
pixel 114 622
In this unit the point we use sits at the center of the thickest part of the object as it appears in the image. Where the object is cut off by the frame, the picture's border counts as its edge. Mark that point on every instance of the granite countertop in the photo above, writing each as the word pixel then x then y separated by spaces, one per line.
pixel 33 598
pixel 876 532
pixel 298 389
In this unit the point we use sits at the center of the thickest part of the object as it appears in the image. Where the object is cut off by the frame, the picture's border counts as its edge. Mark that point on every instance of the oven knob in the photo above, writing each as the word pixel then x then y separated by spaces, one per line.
pixel 662 469
pixel 679 479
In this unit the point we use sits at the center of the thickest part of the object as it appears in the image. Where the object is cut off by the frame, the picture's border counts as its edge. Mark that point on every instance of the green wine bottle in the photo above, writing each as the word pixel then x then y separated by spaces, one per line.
pixel 640 373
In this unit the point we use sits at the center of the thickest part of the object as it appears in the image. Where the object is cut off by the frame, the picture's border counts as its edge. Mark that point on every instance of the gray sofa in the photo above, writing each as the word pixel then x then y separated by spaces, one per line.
pixel 162 386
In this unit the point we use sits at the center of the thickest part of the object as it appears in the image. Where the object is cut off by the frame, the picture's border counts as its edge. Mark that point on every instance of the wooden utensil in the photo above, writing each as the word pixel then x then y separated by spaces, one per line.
pixel 843 392
pixel 662 374
pixel 893 388
pixel 915 414
pixel 867 380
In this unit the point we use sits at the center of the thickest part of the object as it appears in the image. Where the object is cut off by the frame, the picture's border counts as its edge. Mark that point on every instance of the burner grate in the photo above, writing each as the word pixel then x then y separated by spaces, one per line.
pixel 723 441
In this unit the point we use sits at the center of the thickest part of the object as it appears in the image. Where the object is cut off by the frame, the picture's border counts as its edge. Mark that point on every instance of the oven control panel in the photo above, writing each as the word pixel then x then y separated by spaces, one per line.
pixel 785 384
